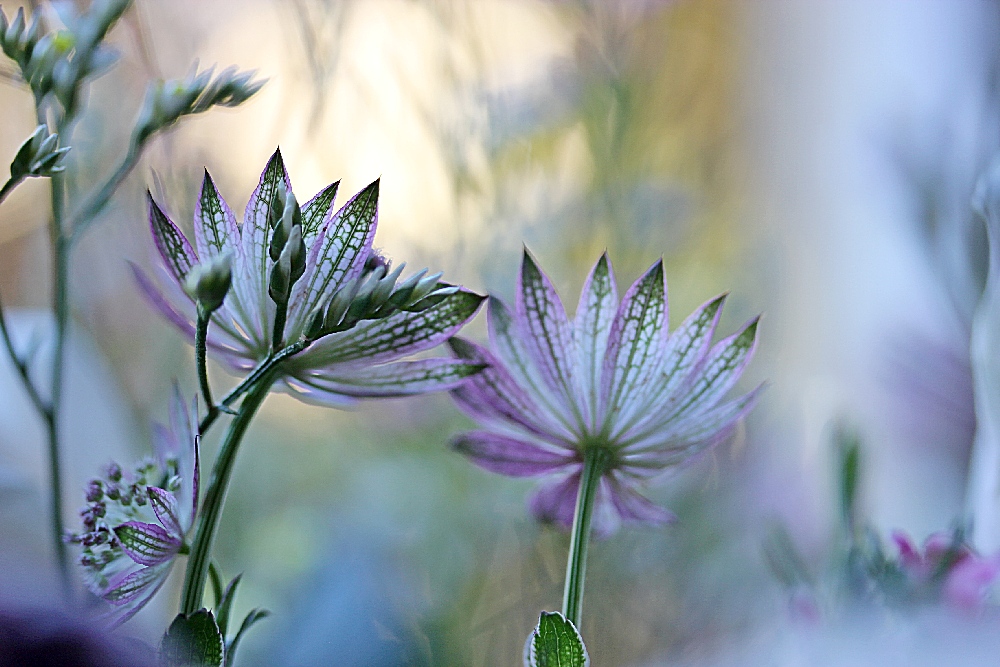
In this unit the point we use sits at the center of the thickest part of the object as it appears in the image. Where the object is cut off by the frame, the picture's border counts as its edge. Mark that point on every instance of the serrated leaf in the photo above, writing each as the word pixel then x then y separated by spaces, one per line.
pixel 555 642
pixel 193 640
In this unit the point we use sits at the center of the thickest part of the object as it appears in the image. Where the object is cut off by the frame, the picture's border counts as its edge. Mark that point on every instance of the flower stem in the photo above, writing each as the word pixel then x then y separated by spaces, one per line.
pixel 265 367
pixel 594 462
pixel 201 358
pixel 60 307
pixel 97 201
pixel 211 508
pixel 9 186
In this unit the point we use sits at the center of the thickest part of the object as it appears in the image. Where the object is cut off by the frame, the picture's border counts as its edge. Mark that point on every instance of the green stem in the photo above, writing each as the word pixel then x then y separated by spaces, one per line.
pixel 211 508
pixel 265 367
pixel 9 186
pixel 594 463
pixel 201 358
pixel 97 201
pixel 60 307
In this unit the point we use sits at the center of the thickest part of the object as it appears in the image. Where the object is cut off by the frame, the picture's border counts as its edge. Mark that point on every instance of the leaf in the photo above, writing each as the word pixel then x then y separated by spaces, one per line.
pixel 255 615
pixel 226 603
pixel 216 580
pixel 849 451
pixel 555 642
pixel 193 641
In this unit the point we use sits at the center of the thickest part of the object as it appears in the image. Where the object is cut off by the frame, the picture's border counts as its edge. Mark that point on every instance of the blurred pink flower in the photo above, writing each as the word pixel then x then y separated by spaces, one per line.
pixel 964 576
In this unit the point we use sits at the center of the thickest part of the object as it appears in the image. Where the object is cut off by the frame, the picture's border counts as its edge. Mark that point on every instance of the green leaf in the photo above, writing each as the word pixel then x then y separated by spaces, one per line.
pixel 193 640
pixel 216 580
pixel 849 451
pixel 555 643
pixel 255 615
pixel 226 604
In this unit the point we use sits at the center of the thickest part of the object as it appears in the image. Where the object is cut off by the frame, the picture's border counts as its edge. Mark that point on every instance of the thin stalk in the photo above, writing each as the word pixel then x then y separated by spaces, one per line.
pixel 201 359
pixel 97 201
pixel 594 462
pixel 265 367
pixel 60 308
pixel 211 508
pixel 9 186
pixel 22 367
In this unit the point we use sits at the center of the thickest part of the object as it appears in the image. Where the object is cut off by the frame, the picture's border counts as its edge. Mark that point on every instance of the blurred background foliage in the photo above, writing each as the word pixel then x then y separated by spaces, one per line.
pixel 716 134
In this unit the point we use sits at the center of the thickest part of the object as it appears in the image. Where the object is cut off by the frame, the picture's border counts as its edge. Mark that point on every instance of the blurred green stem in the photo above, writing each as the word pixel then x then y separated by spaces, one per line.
pixel 211 508
pixel 97 201
pixel 594 462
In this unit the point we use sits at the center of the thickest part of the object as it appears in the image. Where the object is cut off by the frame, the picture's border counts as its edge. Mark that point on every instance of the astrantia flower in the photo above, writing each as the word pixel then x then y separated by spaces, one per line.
pixel 611 384
pixel 135 522
pixel 947 569
pixel 307 276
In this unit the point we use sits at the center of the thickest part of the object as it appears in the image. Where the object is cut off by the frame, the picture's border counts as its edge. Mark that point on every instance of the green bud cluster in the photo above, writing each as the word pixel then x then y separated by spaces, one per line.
pixel 375 295
pixel 208 282
pixel 59 61
pixel 168 101
pixel 287 248
pixel 39 155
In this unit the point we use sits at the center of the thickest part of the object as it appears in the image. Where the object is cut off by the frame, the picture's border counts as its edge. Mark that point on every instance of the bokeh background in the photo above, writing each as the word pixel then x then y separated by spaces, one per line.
pixel 815 159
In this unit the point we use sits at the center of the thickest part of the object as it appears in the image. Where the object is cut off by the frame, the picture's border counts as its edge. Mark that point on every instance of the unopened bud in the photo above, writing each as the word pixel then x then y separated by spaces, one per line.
pixel 280 285
pixel 296 249
pixel 208 283
pixel 339 304
pixel 315 328
pixel 432 299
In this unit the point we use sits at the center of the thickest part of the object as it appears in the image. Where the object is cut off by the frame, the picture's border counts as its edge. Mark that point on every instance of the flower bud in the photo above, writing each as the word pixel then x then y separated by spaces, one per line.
pixel 339 304
pixel 209 282
pixel 281 274
pixel 383 290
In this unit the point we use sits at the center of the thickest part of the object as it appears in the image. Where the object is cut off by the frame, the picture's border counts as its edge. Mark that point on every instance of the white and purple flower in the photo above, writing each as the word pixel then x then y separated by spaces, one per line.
pixel 135 523
pixel 309 275
pixel 611 380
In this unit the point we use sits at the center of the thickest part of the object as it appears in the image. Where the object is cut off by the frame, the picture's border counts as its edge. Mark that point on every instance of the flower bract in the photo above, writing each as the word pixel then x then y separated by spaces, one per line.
pixel 308 275
pixel 611 383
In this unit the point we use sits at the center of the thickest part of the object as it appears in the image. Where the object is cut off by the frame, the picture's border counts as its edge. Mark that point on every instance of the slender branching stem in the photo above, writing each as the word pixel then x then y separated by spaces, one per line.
pixel 264 368
pixel 211 509
pixel 21 364
pixel 594 463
